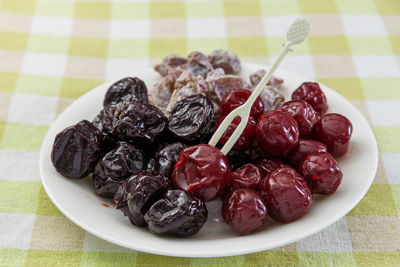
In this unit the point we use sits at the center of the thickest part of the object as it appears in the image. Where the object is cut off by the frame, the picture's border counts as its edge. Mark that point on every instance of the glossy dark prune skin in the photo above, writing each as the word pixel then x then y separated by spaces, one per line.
pixel 304 148
pixel 177 213
pixel 313 95
pixel 104 122
pixel 247 176
pixel 277 132
pixel 321 172
pixel 245 140
pixel 116 166
pixel 139 122
pixel 191 118
pixel 304 114
pixel 203 171
pixel 335 131
pixel 124 89
pixel 236 98
pixel 77 149
pixel 244 210
pixel 166 158
pixel 138 193
pixel 287 195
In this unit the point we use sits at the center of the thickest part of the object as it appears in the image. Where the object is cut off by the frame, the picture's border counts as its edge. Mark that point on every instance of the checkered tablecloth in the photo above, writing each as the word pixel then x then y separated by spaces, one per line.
pixel 51 52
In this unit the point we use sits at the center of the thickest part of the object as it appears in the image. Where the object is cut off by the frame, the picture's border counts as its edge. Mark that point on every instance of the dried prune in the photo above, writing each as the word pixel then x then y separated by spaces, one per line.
pixel 77 149
pixel 104 122
pixel 203 171
pixel 169 63
pixel 192 118
pixel 116 166
pixel 177 213
pixel 186 85
pixel 227 60
pixel 139 122
pixel 198 64
pixel 244 210
pixel 287 195
pixel 124 89
pixel 166 158
pixel 138 193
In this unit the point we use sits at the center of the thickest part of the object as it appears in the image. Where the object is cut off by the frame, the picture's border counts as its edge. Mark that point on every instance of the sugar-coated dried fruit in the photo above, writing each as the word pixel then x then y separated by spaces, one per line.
pixel 166 158
pixel 203 171
pixel 116 166
pixel 236 98
pixel 219 87
pixel 192 118
pixel 304 114
pixel 138 193
pixel 227 60
pixel 77 149
pixel 177 213
pixel 256 77
pixel 247 176
pixel 198 63
pixel 139 122
pixel 170 62
pixel 277 132
pixel 271 95
pixel 313 95
pixel 125 88
pixel 335 131
pixel 304 148
pixel 286 194
pixel 244 210
pixel 245 140
pixel 321 172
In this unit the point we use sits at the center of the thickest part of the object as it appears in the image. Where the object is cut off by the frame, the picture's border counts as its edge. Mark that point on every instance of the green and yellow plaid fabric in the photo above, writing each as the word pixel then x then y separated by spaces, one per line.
pixel 51 52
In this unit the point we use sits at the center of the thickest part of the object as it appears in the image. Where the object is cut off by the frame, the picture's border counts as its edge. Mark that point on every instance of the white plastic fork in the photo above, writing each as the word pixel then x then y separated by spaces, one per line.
pixel 296 34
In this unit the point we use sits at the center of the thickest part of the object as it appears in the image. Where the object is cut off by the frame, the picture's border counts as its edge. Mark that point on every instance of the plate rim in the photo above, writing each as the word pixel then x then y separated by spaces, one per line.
pixel 253 249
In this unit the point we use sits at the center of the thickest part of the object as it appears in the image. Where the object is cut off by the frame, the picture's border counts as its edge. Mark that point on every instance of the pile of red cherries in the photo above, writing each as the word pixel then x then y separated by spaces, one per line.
pixel 160 171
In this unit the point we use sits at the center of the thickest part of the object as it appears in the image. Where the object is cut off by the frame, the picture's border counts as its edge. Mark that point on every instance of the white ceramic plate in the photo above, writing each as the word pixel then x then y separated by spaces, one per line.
pixel 76 200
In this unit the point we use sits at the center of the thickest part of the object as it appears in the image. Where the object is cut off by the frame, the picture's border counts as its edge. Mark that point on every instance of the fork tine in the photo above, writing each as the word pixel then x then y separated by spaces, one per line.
pixel 222 128
pixel 235 136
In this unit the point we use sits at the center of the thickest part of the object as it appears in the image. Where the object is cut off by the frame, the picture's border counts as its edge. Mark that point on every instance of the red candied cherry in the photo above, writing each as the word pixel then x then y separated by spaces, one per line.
pixel 304 114
pixel 245 139
pixel 203 171
pixel 244 210
pixel 335 131
pixel 321 172
pixel 238 97
pixel 304 148
pixel 247 176
pixel 277 132
pixel 268 165
pixel 313 95
pixel 286 194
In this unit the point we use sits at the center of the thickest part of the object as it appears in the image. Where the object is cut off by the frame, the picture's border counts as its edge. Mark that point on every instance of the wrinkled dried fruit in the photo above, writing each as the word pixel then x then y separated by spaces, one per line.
pixel 237 98
pixel 244 210
pixel 104 122
pixel 304 148
pixel 227 60
pixel 256 77
pixel 77 149
pixel 124 89
pixel 166 158
pixel 177 213
pixel 170 62
pixel 268 165
pixel 138 193
pixel 247 176
pixel 139 122
pixel 287 195
pixel 321 172
pixel 221 86
pixel 313 95
pixel 237 159
pixel 203 171
pixel 116 166
pixel 304 114
pixel 198 64
pixel 277 132
pixel 192 118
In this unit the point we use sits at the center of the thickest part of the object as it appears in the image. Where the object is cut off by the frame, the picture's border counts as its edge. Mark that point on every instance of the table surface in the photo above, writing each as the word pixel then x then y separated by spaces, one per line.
pixel 51 52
